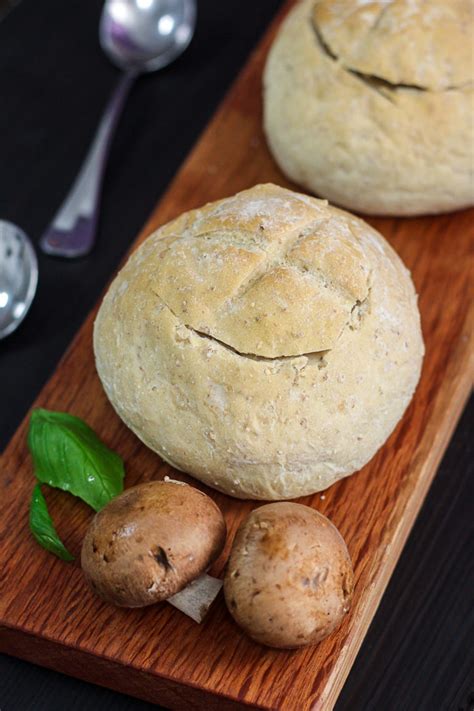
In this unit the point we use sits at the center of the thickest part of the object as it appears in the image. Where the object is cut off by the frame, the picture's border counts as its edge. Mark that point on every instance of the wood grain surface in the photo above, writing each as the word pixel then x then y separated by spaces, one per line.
pixel 47 614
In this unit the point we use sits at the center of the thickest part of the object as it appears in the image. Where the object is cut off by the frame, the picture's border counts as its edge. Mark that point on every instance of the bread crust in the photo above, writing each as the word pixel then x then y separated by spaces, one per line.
pixel 370 104
pixel 251 425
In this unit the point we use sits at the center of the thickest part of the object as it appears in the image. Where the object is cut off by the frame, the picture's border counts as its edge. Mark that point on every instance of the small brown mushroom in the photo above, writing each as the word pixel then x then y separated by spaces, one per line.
pixel 150 542
pixel 289 579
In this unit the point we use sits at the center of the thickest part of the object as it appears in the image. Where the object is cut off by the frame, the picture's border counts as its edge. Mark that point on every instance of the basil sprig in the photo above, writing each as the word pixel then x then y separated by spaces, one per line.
pixel 42 526
pixel 68 455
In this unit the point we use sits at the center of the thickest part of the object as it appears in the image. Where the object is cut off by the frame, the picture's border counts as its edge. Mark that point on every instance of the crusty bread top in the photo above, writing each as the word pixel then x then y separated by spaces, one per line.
pixel 267 272
pixel 421 43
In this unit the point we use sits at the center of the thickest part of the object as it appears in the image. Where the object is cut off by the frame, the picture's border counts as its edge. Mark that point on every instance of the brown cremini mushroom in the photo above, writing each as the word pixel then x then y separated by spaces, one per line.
pixel 151 542
pixel 289 579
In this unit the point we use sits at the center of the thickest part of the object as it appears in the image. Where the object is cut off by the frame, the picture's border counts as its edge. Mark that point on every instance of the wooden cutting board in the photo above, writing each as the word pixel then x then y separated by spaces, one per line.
pixel 48 616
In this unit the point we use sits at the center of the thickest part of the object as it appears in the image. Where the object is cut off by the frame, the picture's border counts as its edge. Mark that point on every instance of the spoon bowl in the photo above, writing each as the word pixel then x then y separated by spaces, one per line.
pixel 18 277
pixel 145 35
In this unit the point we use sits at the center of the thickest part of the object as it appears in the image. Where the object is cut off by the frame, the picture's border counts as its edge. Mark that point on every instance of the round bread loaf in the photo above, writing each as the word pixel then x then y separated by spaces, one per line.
pixel 267 343
pixel 370 104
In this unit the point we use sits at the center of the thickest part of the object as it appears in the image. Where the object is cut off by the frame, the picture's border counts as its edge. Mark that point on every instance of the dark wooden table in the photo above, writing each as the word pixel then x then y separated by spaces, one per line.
pixel 53 83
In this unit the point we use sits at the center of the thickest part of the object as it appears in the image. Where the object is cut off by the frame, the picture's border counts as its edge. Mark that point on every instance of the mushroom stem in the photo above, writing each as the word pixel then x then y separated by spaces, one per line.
pixel 197 597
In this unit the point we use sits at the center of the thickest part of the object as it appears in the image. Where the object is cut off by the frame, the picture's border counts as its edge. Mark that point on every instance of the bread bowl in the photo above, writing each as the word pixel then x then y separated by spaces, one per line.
pixel 267 343
pixel 370 104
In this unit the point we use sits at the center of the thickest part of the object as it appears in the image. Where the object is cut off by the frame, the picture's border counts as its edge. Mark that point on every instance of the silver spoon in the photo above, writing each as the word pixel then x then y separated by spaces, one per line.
pixel 138 36
pixel 18 277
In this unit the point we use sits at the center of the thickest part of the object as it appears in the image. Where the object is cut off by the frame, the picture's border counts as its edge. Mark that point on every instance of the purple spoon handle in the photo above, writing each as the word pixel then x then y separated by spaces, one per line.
pixel 72 231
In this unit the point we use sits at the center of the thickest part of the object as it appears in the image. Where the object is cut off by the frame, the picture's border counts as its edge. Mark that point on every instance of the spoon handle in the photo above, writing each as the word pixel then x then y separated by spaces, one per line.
pixel 72 231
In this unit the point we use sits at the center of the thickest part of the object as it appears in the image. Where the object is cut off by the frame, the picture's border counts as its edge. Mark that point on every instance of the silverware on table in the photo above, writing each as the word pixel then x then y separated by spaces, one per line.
pixel 138 36
pixel 18 277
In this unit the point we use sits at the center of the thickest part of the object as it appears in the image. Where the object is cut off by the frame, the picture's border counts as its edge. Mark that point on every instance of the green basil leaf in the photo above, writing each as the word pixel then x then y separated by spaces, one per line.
pixel 42 527
pixel 68 455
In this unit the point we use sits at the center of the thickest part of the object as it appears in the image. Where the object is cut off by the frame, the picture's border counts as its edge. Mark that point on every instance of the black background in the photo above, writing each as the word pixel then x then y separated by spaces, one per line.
pixel 54 83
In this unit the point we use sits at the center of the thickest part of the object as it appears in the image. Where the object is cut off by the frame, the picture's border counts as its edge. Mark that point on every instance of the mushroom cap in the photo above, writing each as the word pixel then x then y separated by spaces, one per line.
pixel 289 579
pixel 150 542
